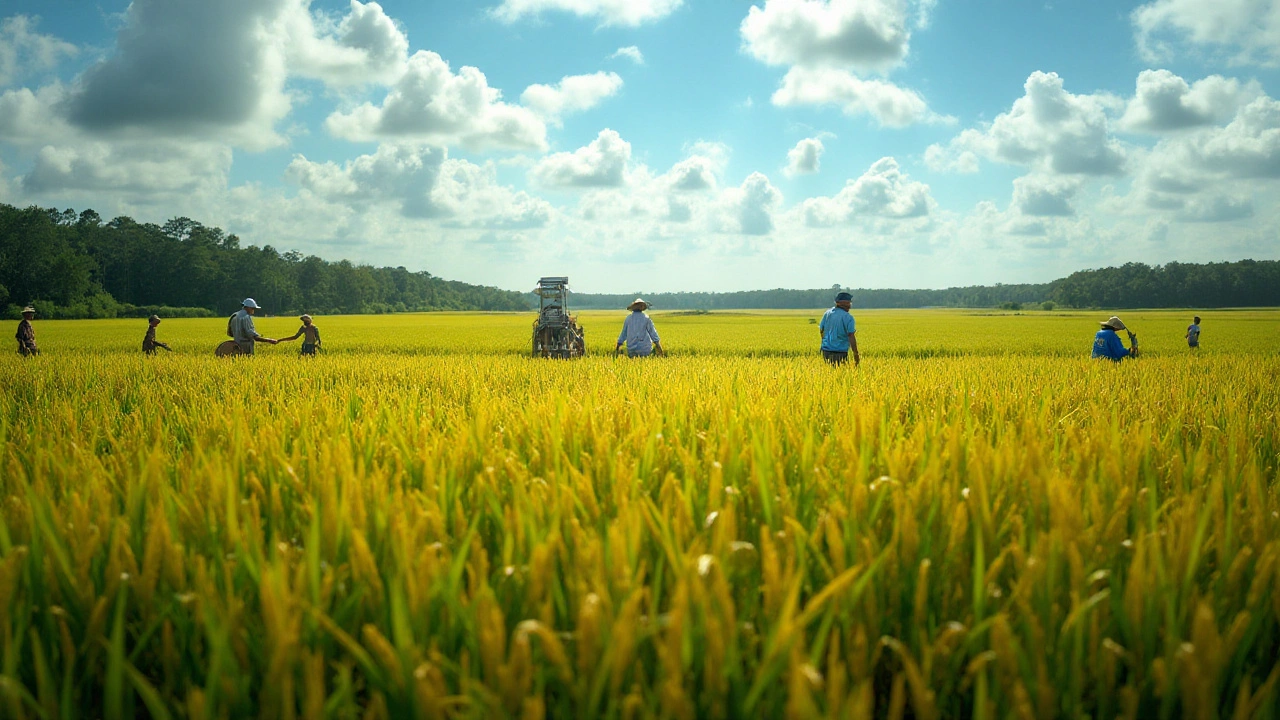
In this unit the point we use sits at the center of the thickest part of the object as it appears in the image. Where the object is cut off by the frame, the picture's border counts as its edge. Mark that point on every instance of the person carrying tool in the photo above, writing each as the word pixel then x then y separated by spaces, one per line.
pixel 26 334
pixel 1107 344
pixel 149 341
pixel 1193 334
pixel 241 329
pixel 837 329
pixel 638 332
pixel 310 335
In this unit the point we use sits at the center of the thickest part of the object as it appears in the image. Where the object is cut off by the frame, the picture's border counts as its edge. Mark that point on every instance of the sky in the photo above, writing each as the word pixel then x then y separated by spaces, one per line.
pixel 663 145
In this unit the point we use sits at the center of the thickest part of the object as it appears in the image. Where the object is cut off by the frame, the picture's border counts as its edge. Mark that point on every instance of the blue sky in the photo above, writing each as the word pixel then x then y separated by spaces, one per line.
pixel 663 144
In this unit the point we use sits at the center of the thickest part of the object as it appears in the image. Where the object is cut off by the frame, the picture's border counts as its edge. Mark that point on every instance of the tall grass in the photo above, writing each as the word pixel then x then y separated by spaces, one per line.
pixel 474 534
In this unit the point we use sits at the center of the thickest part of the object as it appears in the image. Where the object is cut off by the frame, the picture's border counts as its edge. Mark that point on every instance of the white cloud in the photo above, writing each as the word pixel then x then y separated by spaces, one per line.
pixel 602 163
pixel 889 104
pixel 882 191
pixel 865 35
pixel 1048 129
pixel 1218 208
pixel 942 159
pixel 1248 30
pixel 630 52
pixel 433 105
pixel 574 93
pixel 130 167
pixel 1164 102
pixel 805 158
pixel 692 174
pixel 1045 196
pixel 362 48
pixel 23 50
pixel 752 205
pixel 628 13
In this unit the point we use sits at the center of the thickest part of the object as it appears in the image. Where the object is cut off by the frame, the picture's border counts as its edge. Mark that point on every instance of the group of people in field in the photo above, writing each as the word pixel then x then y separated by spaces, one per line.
pixel 639 335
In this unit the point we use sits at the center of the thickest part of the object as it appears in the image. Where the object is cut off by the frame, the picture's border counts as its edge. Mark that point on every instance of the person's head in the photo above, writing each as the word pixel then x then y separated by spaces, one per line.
pixel 1196 319
pixel 1113 323
pixel 250 306
pixel 154 320
pixel 638 305
pixel 306 319
pixel 28 312
pixel 844 300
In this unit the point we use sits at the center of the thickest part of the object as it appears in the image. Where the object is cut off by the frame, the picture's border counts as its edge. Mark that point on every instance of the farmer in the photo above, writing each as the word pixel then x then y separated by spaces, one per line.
pixel 638 332
pixel 1193 334
pixel 26 334
pixel 310 335
pixel 1107 344
pixel 837 329
pixel 242 330
pixel 149 341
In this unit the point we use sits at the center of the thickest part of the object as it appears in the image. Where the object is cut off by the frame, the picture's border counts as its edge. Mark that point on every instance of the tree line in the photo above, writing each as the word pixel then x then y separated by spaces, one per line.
pixel 78 265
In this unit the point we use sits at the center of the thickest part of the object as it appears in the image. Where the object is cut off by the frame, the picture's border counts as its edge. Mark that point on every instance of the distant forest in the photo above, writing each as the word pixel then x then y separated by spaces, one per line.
pixel 76 265
pixel 72 265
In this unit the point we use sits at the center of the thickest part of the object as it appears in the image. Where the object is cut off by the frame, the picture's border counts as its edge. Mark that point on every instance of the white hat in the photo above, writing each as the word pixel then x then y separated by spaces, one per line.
pixel 249 303
pixel 28 309
pixel 1114 323
pixel 636 302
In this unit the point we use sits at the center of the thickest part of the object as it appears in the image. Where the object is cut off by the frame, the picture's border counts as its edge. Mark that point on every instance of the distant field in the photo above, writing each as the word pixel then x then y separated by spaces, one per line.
pixel 978 522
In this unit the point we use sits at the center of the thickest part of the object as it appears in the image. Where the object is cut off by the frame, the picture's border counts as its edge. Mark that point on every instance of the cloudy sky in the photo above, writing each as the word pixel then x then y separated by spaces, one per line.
pixel 663 144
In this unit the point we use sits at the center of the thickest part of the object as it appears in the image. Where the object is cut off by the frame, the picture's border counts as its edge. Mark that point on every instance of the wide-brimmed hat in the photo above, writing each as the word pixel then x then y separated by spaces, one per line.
pixel 154 318
pixel 249 303
pixel 644 305
pixel 305 317
pixel 28 309
pixel 1114 323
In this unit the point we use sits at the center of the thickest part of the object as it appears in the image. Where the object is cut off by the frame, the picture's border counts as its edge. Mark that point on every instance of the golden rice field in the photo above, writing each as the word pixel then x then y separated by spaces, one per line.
pixel 422 522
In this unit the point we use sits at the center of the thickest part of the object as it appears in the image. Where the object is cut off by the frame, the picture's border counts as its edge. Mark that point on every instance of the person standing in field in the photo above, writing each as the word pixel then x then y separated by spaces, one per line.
pixel 149 341
pixel 638 332
pixel 242 330
pixel 310 335
pixel 837 329
pixel 1107 344
pixel 1193 334
pixel 26 334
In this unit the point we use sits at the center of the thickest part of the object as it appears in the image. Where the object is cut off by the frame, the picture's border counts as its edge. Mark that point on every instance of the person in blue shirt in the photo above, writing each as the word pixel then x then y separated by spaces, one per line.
pixel 837 328
pixel 638 333
pixel 1107 344
pixel 1193 334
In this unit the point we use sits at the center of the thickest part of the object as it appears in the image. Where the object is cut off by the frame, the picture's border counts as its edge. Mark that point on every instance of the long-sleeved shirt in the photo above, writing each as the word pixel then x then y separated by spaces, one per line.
pixel 1106 344
pixel 242 330
pixel 26 337
pixel 638 333
pixel 836 326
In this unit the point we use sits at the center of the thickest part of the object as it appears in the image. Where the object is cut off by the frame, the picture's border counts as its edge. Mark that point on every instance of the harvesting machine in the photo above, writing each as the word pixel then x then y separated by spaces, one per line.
pixel 556 333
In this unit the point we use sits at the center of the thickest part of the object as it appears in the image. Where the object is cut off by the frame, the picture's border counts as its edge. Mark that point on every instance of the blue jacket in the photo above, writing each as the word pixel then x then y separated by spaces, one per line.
pixel 1106 344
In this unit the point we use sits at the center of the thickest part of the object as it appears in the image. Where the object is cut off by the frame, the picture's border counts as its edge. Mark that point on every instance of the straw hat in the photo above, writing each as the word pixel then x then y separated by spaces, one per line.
pixel 154 318
pixel 644 305
pixel 28 309
pixel 1114 323
pixel 305 318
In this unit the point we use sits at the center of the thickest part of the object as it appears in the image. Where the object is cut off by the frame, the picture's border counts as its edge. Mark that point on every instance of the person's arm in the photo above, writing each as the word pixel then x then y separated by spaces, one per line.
pixel 853 348
pixel 317 331
pixel 1118 350
pixel 622 336
pixel 653 335
pixel 292 337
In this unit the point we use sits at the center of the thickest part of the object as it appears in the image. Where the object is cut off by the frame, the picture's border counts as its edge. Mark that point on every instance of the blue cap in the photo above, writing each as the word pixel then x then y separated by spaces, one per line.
pixel 843 296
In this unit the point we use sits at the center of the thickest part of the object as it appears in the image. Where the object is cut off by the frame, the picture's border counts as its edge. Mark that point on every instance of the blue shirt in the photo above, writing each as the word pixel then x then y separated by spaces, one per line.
pixel 638 333
pixel 1106 344
pixel 1193 334
pixel 836 326
pixel 242 329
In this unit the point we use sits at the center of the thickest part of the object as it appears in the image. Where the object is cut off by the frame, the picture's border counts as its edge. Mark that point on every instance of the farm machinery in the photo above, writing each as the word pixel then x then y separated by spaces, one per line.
pixel 556 333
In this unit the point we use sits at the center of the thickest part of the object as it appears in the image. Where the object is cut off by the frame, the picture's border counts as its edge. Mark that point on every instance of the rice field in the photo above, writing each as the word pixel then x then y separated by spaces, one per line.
pixel 979 521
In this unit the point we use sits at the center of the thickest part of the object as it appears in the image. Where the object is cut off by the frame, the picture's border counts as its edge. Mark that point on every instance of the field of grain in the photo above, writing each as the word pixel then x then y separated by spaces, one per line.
pixel 979 521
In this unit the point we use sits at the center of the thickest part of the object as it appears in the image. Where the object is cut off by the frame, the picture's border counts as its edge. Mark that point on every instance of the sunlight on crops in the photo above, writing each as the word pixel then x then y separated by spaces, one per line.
pixel 422 522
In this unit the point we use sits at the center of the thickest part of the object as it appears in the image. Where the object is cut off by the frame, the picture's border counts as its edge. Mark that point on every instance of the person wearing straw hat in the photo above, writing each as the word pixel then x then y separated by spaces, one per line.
pixel 242 330
pixel 26 334
pixel 838 328
pixel 310 335
pixel 638 332
pixel 149 341
pixel 1107 344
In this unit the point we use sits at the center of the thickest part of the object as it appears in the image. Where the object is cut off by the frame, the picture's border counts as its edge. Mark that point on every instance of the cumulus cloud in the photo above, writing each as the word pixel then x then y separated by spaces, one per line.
pixel 424 183
pixel 882 191
pixel 1041 196
pixel 692 174
pixel 1164 102
pixel 366 46
pixel 864 35
pixel 805 158
pixel 752 205
pixel 1048 129
pixel 630 52
pixel 431 104
pixel 1248 30
pixel 889 104
pixel 956 160
pixel 23 50
pixel 132 167
pixel 1218 208
pixel 602 163
pixel 574 93
pixel 627 13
